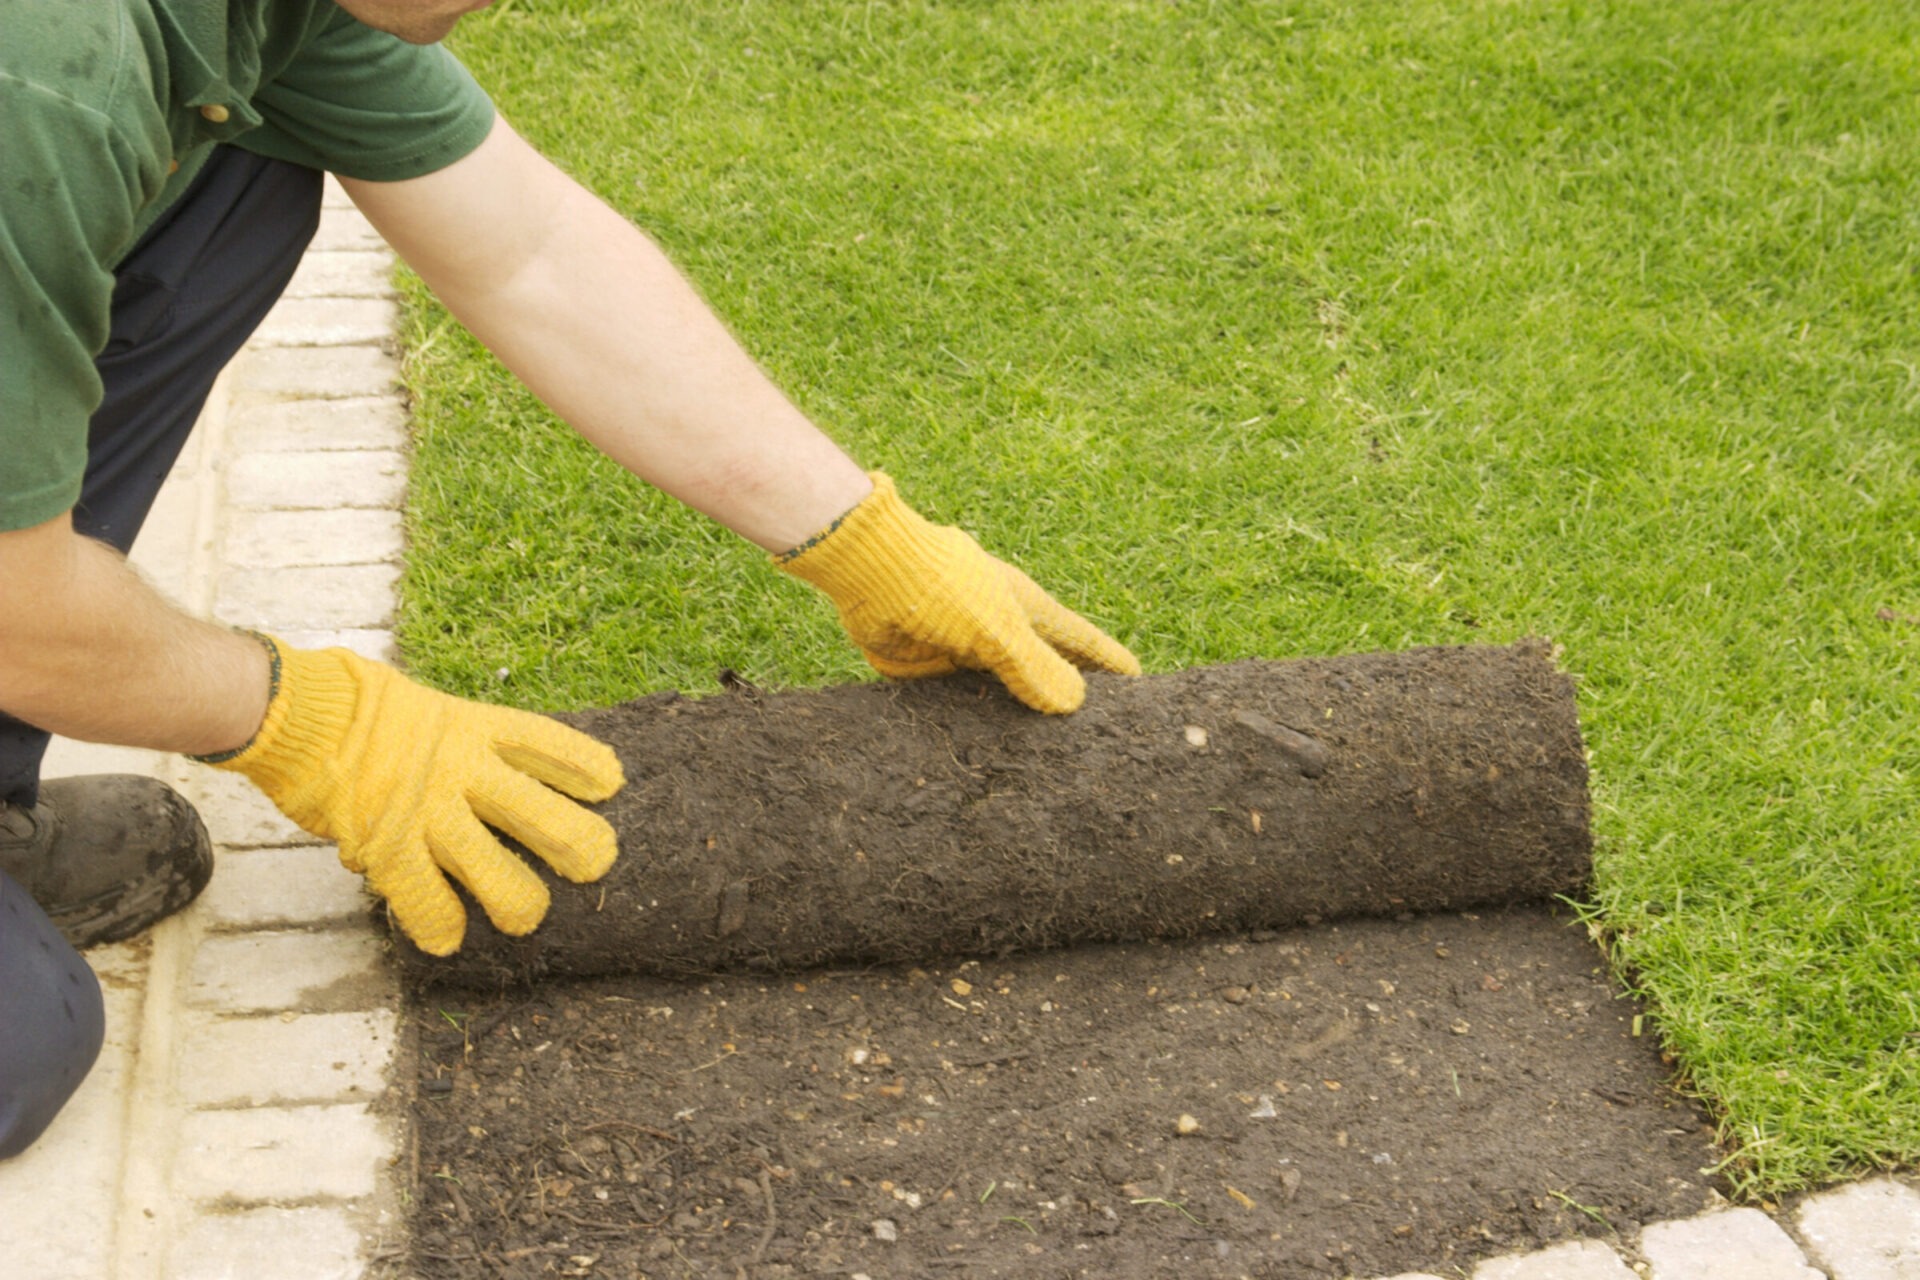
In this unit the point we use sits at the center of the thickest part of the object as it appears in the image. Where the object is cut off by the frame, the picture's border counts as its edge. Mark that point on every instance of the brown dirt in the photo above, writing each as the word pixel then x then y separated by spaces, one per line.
pixel 1365 1097
pixel 1370 1097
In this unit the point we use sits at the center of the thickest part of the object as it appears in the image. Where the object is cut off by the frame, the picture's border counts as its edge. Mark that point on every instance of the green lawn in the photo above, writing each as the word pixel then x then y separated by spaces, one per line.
pixel 1295 328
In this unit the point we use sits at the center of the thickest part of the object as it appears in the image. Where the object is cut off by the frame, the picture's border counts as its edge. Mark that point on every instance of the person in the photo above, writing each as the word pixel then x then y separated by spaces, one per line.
pixel 160 180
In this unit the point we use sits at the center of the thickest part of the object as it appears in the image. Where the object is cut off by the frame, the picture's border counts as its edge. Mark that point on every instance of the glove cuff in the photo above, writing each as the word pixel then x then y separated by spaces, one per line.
pixel 309 712
pixel 875 553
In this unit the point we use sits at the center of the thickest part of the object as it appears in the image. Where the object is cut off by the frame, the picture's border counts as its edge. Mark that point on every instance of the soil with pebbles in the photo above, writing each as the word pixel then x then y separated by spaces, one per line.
pixel 1359 1098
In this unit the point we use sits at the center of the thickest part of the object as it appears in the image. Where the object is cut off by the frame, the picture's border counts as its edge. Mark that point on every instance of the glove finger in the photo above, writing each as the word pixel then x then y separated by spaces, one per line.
pixel 1078 640
pixel 989 631
pixel 419 898
pixel 1030 668
pixel 506 888
pixel 576 842
pixel 562 757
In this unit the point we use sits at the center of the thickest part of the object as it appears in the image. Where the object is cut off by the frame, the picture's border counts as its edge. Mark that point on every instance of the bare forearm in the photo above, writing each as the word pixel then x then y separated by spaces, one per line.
pixel 90 651
pixel 588 312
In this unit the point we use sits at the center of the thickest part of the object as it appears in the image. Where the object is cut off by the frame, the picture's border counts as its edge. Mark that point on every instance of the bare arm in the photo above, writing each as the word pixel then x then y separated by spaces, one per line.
pixel 89 650
pixel 589 313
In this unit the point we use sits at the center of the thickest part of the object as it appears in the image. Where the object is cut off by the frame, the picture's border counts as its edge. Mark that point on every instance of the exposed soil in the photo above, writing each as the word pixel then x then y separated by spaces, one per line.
pixel 1252 1092
pixel 1363 1098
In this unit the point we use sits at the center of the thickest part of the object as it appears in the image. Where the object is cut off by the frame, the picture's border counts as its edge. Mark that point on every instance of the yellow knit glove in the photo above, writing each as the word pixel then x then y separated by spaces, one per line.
pixel 403 779
pixel 924 600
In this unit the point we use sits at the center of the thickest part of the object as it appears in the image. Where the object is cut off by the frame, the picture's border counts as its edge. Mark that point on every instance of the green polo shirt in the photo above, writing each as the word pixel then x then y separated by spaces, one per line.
pixel 111 106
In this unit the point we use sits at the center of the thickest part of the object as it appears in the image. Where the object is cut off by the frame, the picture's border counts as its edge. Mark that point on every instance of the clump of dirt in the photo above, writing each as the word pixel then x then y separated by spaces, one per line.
pixel 1349 1099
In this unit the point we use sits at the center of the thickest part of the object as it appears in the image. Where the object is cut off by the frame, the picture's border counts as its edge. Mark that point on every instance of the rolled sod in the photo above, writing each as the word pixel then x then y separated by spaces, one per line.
pixel 910 822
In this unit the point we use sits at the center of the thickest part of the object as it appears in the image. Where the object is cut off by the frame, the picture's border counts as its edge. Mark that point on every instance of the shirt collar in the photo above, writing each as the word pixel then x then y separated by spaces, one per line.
pixel 213 59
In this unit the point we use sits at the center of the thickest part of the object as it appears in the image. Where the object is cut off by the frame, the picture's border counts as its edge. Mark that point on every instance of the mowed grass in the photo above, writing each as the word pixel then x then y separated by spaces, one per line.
pixel 1271 329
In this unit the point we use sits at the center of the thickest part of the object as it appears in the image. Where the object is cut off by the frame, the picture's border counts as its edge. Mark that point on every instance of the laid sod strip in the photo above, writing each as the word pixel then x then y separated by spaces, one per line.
pixel 1263 329
pixel 938 821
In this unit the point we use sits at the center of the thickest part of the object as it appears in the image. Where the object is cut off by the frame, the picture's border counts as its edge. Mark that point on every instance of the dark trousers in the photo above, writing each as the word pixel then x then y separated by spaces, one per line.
pixel 184 301
pixel 52 1021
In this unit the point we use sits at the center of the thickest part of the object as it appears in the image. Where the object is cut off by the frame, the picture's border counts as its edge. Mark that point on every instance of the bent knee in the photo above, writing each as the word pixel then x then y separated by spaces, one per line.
pixel 54 1017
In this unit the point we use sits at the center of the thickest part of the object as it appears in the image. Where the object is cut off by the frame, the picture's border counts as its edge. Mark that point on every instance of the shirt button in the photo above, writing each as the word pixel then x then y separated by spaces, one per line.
pixel 173 166
pixel 214 113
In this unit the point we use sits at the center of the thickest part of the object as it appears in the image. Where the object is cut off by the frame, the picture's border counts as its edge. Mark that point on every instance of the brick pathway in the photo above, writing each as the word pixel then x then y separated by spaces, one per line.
pixel 238 1123
pixel 242 1122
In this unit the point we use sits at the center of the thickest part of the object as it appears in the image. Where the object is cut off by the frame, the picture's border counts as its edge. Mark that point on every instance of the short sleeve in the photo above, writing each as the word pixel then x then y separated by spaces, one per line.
pixel 364 104
pixel 70 189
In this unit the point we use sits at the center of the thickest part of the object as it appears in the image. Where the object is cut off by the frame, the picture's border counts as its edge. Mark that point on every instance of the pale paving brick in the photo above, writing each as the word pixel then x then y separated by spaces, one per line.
pixel 366 641
pixel 364 422
pixel 326 322
pixel 315 1057
pixel 333 195
pixel 345 273
pixel 312 1243
pixel 173 544
pixel 270 972
pixel 314 373
pixel 281 888
pixel 280 539
pixel 1739 1244
pixel 66 758
pixel 317 480
pixel 265 1154
pixel 322 598
pixel 1868 1231
pixel 344 227
pixel 238 815
pixel 1585 1260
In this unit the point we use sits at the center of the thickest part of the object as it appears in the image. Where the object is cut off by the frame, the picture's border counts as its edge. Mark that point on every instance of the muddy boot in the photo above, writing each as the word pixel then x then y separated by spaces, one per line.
pixel 107 856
